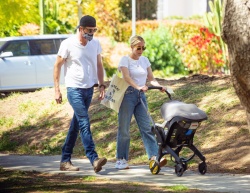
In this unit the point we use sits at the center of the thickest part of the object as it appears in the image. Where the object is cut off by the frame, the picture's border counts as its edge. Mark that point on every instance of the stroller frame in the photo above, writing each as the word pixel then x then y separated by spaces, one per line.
pixel 179 133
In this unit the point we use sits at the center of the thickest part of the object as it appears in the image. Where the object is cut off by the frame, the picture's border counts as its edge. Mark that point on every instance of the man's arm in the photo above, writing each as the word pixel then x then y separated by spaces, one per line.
pixel 57 71
pixel 100 71
pixel 100 74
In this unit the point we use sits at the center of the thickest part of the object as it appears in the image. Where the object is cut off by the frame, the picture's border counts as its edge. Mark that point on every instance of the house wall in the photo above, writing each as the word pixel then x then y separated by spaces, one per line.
pixel 184 8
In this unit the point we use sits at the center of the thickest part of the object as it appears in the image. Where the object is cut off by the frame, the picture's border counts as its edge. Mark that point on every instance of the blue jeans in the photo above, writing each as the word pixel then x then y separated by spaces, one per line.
pixel 80 100
pixel 131 105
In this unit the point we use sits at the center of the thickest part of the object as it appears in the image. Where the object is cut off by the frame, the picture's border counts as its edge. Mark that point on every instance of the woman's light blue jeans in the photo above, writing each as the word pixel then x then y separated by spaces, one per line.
pixel 80 100
pixel 131 105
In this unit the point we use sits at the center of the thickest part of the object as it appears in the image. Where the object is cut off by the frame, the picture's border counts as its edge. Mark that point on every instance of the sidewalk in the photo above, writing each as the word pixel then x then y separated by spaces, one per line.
pixel 140 173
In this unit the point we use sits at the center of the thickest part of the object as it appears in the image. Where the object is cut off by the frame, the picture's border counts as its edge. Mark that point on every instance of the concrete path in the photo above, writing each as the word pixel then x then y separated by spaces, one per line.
pixel 139 173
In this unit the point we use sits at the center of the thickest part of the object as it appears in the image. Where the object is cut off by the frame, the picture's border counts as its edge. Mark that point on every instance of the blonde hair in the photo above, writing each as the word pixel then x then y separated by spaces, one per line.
pixel 135 40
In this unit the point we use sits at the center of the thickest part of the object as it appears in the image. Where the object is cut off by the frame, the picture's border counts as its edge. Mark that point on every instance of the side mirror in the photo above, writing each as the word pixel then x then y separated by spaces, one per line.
pixel 6 54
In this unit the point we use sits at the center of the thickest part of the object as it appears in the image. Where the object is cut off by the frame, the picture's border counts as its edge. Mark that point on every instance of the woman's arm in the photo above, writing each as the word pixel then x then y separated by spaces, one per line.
pixel 152 80
pixel 129 80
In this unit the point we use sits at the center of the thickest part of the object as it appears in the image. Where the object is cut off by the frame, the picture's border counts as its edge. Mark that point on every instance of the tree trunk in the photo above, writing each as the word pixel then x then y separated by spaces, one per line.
pixel 236 34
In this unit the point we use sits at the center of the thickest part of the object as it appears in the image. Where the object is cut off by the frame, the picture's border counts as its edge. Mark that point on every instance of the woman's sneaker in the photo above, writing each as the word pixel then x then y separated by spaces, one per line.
pixel 121 164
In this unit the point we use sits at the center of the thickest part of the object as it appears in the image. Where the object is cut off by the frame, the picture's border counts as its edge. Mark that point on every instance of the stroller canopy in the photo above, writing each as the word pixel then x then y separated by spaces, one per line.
pixel 172 109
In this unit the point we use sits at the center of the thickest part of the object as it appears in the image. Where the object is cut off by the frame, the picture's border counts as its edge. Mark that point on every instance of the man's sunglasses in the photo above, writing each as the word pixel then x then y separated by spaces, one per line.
pixel 141 48
pixel 90 30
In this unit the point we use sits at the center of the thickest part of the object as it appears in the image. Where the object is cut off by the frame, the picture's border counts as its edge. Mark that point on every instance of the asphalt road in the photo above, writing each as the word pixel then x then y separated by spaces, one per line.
pixel 137 173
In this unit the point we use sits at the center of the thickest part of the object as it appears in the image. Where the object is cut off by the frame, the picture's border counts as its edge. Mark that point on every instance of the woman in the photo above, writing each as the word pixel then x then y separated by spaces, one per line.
pixel 136 70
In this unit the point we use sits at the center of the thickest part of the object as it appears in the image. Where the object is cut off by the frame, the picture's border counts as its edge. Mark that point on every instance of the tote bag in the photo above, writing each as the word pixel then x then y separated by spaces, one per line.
pixel 115 93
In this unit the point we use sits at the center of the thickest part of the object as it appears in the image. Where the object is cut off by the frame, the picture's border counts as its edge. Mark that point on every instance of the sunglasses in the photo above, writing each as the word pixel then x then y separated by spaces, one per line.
pixel 90 30
pixel 141 48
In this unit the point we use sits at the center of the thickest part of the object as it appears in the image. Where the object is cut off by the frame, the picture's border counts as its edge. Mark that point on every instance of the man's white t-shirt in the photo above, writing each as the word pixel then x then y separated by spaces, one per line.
pixel 80 68
pixel 137 68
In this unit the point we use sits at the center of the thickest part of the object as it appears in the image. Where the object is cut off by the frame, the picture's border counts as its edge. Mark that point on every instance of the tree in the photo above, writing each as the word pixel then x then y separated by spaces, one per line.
pixel 236 34
pixel 15 13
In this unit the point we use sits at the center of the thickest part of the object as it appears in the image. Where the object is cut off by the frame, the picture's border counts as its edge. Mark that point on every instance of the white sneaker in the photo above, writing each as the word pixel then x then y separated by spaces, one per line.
pixel 121 164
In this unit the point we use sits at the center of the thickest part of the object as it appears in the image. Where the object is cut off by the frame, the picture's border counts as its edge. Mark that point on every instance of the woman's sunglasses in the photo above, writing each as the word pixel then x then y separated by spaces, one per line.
pixel 141 48
pixel 90 30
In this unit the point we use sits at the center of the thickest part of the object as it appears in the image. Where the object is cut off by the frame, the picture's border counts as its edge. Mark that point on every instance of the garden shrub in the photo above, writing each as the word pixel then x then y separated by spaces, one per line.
pixel 182 31
pixel 200 49
pixel 161 51
pixel 203 54
pixel 124 30
pixel 177 46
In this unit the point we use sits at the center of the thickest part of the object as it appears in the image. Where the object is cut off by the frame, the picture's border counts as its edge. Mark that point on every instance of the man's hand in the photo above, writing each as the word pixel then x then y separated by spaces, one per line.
pixel 58 97
pixel 102 93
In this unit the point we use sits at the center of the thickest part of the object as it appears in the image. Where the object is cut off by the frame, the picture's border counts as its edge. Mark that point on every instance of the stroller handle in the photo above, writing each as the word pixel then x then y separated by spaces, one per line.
pixel 160 88
pixel 145 108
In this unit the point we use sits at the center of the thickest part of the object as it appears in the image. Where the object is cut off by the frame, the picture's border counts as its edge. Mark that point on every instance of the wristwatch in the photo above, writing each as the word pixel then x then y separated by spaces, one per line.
pixel 102 85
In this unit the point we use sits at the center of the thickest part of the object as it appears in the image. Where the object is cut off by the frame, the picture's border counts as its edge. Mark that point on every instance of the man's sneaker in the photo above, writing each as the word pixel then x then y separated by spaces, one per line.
pixel 68 166
pixel 98 163
pixel 163 162
pixel 121 164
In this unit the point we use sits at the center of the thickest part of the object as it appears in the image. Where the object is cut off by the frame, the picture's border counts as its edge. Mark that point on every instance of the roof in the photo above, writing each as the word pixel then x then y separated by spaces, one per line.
pixel 49 36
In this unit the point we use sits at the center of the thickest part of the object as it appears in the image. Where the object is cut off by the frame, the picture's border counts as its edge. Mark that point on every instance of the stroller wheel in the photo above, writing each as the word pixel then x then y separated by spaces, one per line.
pixel 179 170
pixel 154 167
pixel 202 168
pixel 184 164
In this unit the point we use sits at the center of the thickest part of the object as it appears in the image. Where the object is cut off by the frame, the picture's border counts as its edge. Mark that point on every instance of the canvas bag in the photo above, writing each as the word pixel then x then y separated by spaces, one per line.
pixel 115 93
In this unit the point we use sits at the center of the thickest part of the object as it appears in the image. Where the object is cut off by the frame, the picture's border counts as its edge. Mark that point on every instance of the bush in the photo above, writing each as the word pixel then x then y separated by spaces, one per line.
pixel 161 51
pixel 124 30
pixel 202 54
pixel 29 29
pixel 183 31
pixel 199 48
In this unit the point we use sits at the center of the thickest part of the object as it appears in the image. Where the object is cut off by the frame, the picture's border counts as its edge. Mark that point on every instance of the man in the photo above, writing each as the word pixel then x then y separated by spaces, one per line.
pixel 83 68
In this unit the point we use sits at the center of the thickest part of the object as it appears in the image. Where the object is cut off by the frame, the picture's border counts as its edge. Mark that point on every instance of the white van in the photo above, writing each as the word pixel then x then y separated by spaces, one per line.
pixel 27 62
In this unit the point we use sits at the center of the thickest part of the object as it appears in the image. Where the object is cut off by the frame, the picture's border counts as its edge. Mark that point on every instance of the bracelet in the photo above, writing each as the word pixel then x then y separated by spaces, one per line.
pixel 102 85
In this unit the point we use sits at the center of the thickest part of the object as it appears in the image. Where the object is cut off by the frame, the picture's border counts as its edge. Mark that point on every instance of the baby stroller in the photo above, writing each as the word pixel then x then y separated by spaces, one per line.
pixel 177 131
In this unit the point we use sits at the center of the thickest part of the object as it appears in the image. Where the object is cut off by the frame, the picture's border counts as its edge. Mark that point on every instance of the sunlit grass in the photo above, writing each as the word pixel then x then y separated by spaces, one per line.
pixel 177 188
pixel 6 121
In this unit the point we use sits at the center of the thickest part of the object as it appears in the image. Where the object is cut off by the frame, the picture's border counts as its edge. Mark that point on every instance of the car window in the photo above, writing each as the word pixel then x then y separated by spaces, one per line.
pixel 58 42
pixel 1 44
pixel 18 48
pixel 42 47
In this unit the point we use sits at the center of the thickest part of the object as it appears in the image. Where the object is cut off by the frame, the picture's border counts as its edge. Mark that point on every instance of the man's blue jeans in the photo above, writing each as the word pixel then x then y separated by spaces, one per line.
pixel 131 105
pixel 80 100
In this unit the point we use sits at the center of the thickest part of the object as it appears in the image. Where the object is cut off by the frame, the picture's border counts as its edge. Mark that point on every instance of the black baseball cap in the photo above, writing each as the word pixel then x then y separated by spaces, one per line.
pixel 87 21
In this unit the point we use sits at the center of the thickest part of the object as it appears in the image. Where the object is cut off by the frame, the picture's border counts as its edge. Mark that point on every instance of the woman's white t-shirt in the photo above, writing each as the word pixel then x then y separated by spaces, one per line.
pixel 137 68
pixel 80 68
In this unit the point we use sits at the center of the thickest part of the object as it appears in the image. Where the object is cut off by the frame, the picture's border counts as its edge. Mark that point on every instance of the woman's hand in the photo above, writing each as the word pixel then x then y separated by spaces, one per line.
pixel 163 88
pixel 143 88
